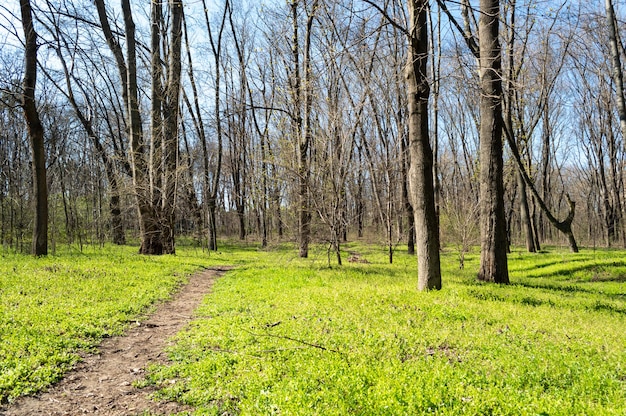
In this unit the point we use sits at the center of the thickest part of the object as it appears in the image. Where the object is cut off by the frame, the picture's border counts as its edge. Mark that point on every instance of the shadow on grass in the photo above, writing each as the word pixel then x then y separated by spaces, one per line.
pixel 539 266
pixel 598 305
pixel 597 271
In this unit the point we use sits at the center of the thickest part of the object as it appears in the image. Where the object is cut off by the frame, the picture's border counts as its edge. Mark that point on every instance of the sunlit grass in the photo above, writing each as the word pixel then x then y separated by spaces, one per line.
pixel 53 307
pixel 284 335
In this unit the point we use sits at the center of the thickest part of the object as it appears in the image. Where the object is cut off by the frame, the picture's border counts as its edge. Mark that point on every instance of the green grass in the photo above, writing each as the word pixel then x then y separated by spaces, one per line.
pixel 290 336
pixel 53 307
pixel 281 335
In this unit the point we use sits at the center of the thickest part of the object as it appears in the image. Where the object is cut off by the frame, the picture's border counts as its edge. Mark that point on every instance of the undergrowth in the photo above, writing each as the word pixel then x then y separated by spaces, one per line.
pixel 54 307
pixel 290 336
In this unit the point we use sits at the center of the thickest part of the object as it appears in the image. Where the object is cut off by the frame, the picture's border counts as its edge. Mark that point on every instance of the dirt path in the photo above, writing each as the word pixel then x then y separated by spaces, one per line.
pixel 102 383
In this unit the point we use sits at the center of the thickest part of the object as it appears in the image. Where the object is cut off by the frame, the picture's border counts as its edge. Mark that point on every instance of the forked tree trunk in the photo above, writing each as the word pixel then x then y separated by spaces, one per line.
pixel 493 247
pixel 35 132
pixel 149 229
pixel 170 126
pixel 421 171
pixel 303 96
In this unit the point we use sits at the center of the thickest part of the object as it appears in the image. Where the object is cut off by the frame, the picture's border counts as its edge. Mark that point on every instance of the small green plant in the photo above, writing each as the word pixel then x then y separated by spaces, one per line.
pixel 289 336
pixel 53 307
pixel 284 335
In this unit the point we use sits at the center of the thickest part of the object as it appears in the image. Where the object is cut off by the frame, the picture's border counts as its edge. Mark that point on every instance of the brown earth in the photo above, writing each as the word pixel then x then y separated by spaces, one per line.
pixel 102 383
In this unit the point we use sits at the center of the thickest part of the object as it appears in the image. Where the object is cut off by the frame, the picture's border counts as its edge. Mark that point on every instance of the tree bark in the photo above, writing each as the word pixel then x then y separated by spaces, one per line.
pixel 170 126
pixel 211 179
pixel 302 89
pixel 406 201
pixel 149 229
pixel 525 217
pixel 618 79
pixel 157 134
pixel 35 132
pixel 493 260
pixel 421 171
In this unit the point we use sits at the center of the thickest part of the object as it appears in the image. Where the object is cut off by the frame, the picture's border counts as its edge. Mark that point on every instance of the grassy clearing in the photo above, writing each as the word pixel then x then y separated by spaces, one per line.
pixel 281 335
pixel 53 307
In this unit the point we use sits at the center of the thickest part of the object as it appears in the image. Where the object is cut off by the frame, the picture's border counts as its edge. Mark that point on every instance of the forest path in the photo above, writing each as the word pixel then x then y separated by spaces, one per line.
pixel 102 383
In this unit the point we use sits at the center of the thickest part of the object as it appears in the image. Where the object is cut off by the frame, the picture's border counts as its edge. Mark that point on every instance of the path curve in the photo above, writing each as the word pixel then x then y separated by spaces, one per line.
pixel 102 383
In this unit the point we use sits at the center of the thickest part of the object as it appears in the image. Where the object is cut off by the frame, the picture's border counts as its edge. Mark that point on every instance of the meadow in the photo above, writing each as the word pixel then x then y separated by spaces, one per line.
pixel 283 335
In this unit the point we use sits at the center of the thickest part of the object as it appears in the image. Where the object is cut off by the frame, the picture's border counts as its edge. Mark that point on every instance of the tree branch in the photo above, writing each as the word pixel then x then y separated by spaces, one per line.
pixel 469 39
pixel 389 19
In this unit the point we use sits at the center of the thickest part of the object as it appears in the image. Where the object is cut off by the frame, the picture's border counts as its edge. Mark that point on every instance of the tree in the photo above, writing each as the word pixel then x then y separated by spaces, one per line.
pixel 493 244
pixel 150 232
pixel 493 240
pixel 35 132
pixel 155 184
pixel 512 71
pixel 421 170
pixel 618 80
pixel 78 83
pixel 211 177
pixel 169 108
pixel 616 62
pixel 301 89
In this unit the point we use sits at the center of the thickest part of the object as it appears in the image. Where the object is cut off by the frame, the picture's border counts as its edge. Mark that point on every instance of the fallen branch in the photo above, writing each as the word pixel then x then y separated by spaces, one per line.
pixel 288 338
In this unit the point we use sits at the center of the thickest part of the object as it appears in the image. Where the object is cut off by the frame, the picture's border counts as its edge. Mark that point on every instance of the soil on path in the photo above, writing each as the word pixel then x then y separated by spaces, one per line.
pixel 102 383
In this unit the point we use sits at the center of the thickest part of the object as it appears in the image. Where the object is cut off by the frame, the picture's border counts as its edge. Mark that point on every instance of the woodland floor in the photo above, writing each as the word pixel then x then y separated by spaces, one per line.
pixel 102 383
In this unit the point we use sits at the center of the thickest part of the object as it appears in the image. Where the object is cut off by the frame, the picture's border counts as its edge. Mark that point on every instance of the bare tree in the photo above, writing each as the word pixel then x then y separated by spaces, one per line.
pixel 150 231
pixel 212 176
pixel 421 171
pixel 493 248
pixel 35 132
pixel 618 80
pixel 73 85
pixel 170 116
pixel 302 95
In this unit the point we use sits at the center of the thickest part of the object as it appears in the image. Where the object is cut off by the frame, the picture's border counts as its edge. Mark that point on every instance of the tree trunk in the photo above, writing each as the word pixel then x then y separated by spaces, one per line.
pixel 155 164
pixel 149 228
pixel 525 217
pixel 170 127
pixel 421 171
pixel 303 129
pixel 406 201
pixel 150 231
pixel 212 206
pixel 211 187
pixel 564 226
pixel 618 79
pixel 493 260
pixel 35 132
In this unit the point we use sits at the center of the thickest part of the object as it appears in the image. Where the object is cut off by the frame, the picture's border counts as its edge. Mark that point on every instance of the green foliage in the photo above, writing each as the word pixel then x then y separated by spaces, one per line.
pixel 53 307
pixel 283 335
